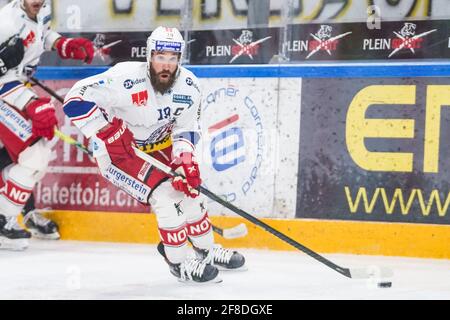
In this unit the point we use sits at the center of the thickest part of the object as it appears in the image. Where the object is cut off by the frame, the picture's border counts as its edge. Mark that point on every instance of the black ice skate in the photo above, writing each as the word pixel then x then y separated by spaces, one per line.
pixel 39 226
pixel 224 259
pixel 192 270
pixel 12 236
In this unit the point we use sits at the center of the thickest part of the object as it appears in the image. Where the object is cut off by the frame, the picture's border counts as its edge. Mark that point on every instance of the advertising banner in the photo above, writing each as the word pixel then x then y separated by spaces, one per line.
pixel 375 149
pixel 359 41
pixel 393 40
pixel 238 46
pixel 239 142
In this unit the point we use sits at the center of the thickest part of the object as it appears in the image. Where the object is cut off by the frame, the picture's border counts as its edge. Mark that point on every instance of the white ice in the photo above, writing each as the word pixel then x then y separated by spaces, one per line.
pixel 93 270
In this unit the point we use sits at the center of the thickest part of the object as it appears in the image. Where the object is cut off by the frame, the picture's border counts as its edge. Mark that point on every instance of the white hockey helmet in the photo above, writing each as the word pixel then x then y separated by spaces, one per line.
pixel 165 39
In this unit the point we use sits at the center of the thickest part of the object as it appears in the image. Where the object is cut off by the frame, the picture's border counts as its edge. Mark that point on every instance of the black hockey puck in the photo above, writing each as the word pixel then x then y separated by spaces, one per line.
pixel 386 284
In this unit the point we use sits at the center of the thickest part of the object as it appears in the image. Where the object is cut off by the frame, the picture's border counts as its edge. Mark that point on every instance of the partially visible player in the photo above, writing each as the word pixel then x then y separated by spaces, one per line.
pixel 156 106
pixel 38 225
pixel 27 120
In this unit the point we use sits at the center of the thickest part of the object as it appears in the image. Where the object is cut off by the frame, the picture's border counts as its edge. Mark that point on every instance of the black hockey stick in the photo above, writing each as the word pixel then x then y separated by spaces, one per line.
pixel 228 233
pixel 355 273
pixel 47 89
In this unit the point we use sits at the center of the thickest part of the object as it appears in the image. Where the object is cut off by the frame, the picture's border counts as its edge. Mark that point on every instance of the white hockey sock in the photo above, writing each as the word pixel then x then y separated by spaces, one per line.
pixel 200 232
pixel 16 190
pixel 175 243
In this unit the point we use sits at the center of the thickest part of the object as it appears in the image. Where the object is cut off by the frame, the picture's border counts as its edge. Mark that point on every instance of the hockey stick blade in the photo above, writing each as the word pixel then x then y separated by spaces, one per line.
pixel 371 272
pixel 238 231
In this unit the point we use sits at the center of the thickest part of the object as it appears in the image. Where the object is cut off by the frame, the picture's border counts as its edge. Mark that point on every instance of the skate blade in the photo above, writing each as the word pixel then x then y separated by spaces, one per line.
pixel 194 283
pixel 13 245
pixel 240 269
pixel 51 236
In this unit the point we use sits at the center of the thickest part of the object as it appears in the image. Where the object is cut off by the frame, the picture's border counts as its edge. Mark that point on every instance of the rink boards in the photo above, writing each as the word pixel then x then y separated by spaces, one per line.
pixel 343 158
pixel 325 236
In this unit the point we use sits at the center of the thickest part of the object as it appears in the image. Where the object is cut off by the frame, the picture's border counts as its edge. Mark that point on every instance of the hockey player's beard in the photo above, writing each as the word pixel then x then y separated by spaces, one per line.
pixel 159 86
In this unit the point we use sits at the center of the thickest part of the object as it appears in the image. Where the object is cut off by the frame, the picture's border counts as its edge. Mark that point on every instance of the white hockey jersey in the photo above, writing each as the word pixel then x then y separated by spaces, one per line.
pixel 37 38
pixel 125 91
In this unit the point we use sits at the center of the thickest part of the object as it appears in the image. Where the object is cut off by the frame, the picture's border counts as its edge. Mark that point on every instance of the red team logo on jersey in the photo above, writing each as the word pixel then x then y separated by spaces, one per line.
pixel 140 99
pixel 31 37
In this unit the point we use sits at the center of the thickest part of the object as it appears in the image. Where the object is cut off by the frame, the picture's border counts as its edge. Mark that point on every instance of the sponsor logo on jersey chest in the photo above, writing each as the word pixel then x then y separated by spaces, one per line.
pixel 128 84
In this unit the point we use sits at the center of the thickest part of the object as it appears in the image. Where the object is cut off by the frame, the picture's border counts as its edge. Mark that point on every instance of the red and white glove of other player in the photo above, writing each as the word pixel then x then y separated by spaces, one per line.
pixel 75 48
pixel 187 166
pixel 119 141
pixel 43 118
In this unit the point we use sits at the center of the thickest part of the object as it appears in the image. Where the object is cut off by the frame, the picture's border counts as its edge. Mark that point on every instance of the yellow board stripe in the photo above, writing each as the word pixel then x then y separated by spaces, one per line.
pixel 323 236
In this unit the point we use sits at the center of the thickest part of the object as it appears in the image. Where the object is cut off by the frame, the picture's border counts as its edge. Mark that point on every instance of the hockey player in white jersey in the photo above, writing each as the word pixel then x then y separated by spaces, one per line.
pixel 37 224
pixel 154 105
pixel 27 120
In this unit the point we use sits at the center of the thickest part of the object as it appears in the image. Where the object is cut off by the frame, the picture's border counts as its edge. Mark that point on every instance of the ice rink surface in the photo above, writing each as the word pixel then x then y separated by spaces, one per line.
pixel 92 270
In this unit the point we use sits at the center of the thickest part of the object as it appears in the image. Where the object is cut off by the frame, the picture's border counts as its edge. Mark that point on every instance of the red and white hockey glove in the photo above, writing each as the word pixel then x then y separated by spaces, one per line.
pixel 43 119
pixel 75 48
pixel 119 141
pixel 186 165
